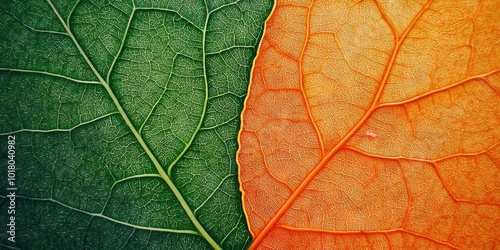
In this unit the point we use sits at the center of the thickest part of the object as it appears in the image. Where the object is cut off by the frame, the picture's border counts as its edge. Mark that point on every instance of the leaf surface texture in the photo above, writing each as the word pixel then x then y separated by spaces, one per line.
pixel 374 124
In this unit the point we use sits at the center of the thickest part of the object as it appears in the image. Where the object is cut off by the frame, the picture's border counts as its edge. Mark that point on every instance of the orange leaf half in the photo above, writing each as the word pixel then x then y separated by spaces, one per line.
pixel 374 124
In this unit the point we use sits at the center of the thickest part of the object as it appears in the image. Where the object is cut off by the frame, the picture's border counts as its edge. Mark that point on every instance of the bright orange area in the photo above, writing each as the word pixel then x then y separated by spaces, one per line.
pixel 374 124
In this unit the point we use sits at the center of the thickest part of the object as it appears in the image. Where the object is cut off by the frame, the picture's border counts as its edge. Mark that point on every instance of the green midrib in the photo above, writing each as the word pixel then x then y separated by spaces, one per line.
pixel 139 138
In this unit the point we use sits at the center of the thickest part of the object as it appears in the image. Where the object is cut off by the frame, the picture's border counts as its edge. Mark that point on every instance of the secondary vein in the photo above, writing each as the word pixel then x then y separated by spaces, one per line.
pixel 205 101
pixel 49 74
pixel 99 215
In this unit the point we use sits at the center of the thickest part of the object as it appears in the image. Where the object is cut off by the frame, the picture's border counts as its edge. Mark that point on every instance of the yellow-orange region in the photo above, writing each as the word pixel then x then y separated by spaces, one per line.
pixel 374 124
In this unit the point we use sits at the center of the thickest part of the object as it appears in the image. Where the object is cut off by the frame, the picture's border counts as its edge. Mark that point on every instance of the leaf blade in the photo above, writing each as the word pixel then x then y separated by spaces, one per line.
pixel 318 130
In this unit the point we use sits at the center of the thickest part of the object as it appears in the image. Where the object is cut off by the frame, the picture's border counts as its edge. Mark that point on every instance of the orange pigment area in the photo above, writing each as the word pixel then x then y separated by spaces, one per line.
pixel 374 125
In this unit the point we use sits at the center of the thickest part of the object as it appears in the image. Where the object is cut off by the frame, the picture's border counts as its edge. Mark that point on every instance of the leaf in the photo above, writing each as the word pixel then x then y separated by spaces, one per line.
pixel 125 116
pixel 374 124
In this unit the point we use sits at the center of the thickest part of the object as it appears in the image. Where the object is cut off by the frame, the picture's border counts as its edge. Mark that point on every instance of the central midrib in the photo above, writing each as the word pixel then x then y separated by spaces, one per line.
pixel 138 137
pixel 317 169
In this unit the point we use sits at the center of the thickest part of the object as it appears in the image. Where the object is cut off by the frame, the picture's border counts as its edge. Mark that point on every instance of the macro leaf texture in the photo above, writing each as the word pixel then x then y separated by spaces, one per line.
pixel 125 116
pixel 374 125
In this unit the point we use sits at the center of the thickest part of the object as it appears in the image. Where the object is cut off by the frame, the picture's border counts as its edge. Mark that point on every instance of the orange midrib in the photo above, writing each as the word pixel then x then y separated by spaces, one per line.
pixel 348 136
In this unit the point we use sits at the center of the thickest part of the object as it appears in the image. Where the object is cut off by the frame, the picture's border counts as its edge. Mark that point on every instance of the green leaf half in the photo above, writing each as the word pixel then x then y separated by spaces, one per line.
pixel 125 115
